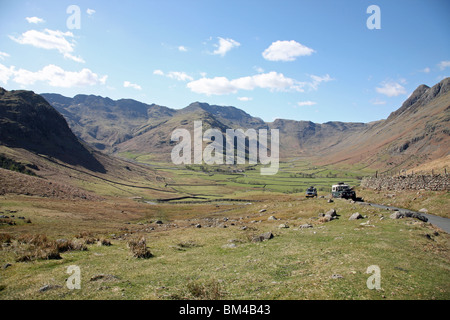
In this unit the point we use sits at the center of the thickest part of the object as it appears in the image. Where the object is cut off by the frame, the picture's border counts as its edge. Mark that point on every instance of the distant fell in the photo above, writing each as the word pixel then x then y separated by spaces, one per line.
pixel 416 133
pixel 103 122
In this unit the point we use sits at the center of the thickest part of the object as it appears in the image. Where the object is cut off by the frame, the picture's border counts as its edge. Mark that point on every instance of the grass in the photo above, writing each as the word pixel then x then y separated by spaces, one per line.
pixel 198 263
pixel 30 247
pixel 294 176
pixel 138 247
pixel 435 202
pixel 205 250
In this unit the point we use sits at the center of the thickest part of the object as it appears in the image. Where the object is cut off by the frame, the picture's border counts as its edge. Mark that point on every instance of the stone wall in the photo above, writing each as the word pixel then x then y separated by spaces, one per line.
pixel 437 182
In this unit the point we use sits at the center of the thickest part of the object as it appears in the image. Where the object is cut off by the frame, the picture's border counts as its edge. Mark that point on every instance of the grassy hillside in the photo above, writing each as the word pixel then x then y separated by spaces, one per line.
pixel 12 165
pixel 219 260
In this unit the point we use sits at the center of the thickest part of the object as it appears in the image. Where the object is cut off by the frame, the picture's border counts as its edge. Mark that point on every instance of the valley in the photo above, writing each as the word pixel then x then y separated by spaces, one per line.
pixel 100 183
pixel 207 250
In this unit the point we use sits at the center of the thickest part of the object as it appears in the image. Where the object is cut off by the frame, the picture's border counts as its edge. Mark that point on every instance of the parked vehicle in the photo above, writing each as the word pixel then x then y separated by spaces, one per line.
pixel 343 190
pixel 311 192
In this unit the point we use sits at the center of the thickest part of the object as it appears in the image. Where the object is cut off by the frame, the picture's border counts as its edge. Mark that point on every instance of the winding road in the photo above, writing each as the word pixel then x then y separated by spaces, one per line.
pixel 441 222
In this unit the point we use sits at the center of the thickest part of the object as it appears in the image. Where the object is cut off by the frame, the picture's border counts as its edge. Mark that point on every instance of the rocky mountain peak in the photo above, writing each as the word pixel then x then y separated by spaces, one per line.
pixel 421 96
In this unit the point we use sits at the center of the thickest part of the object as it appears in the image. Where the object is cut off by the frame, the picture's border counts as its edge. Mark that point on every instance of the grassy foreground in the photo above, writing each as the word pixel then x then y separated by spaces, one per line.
pixel 205 251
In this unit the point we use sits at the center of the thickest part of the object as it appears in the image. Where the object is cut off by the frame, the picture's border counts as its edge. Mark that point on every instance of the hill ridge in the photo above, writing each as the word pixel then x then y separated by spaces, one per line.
pixel 28 121
pixel 419 125
pixel 424 94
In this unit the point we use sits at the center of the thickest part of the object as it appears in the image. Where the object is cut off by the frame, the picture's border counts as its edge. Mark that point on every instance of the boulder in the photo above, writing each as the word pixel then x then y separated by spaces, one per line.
pixel 267 235
pixel 421 217
pixel 416 215
pixel 262 237
pixel 408 214
pixel 331 213
pixel 326 218
pixel 355 216
pixel 397 215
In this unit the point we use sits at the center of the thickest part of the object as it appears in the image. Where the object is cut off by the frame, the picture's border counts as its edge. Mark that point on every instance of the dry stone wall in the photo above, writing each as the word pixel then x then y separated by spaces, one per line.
pixel 437 182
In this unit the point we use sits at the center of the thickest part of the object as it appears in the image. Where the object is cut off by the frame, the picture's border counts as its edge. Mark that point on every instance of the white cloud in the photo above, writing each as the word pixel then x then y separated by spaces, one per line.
pixel 286 51
pixel 306 103
pixel 4 55
pixel 182 49
pixel 34 20
pixel 272 80
pixel 5 73
pixel 225 45
pixel 391 89
pixel 426 70
pixel 128 84
pixel 245 98
pixel 180 76
pixel 221 85
pixel 212 86
pixel 90 11
pixel 50 40
pixel 52 75
pixel 444 64
pixel 317 80
pixel 177 75
pixel 72 57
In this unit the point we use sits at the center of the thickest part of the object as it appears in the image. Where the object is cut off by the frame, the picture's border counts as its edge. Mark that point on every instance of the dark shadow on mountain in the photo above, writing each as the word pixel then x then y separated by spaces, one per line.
pixel 28 121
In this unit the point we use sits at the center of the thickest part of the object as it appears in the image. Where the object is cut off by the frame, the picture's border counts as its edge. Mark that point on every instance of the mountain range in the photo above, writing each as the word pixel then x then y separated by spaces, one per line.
pixel 417 132
pixel 86 132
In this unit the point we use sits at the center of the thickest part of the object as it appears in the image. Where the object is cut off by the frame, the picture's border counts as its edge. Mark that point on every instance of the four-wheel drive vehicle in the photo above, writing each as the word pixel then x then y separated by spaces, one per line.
pixel 342 190
pixel 311 192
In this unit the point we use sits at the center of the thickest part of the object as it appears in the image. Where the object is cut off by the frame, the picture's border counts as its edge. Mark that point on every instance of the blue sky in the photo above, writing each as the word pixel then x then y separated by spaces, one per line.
pixel 301 60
